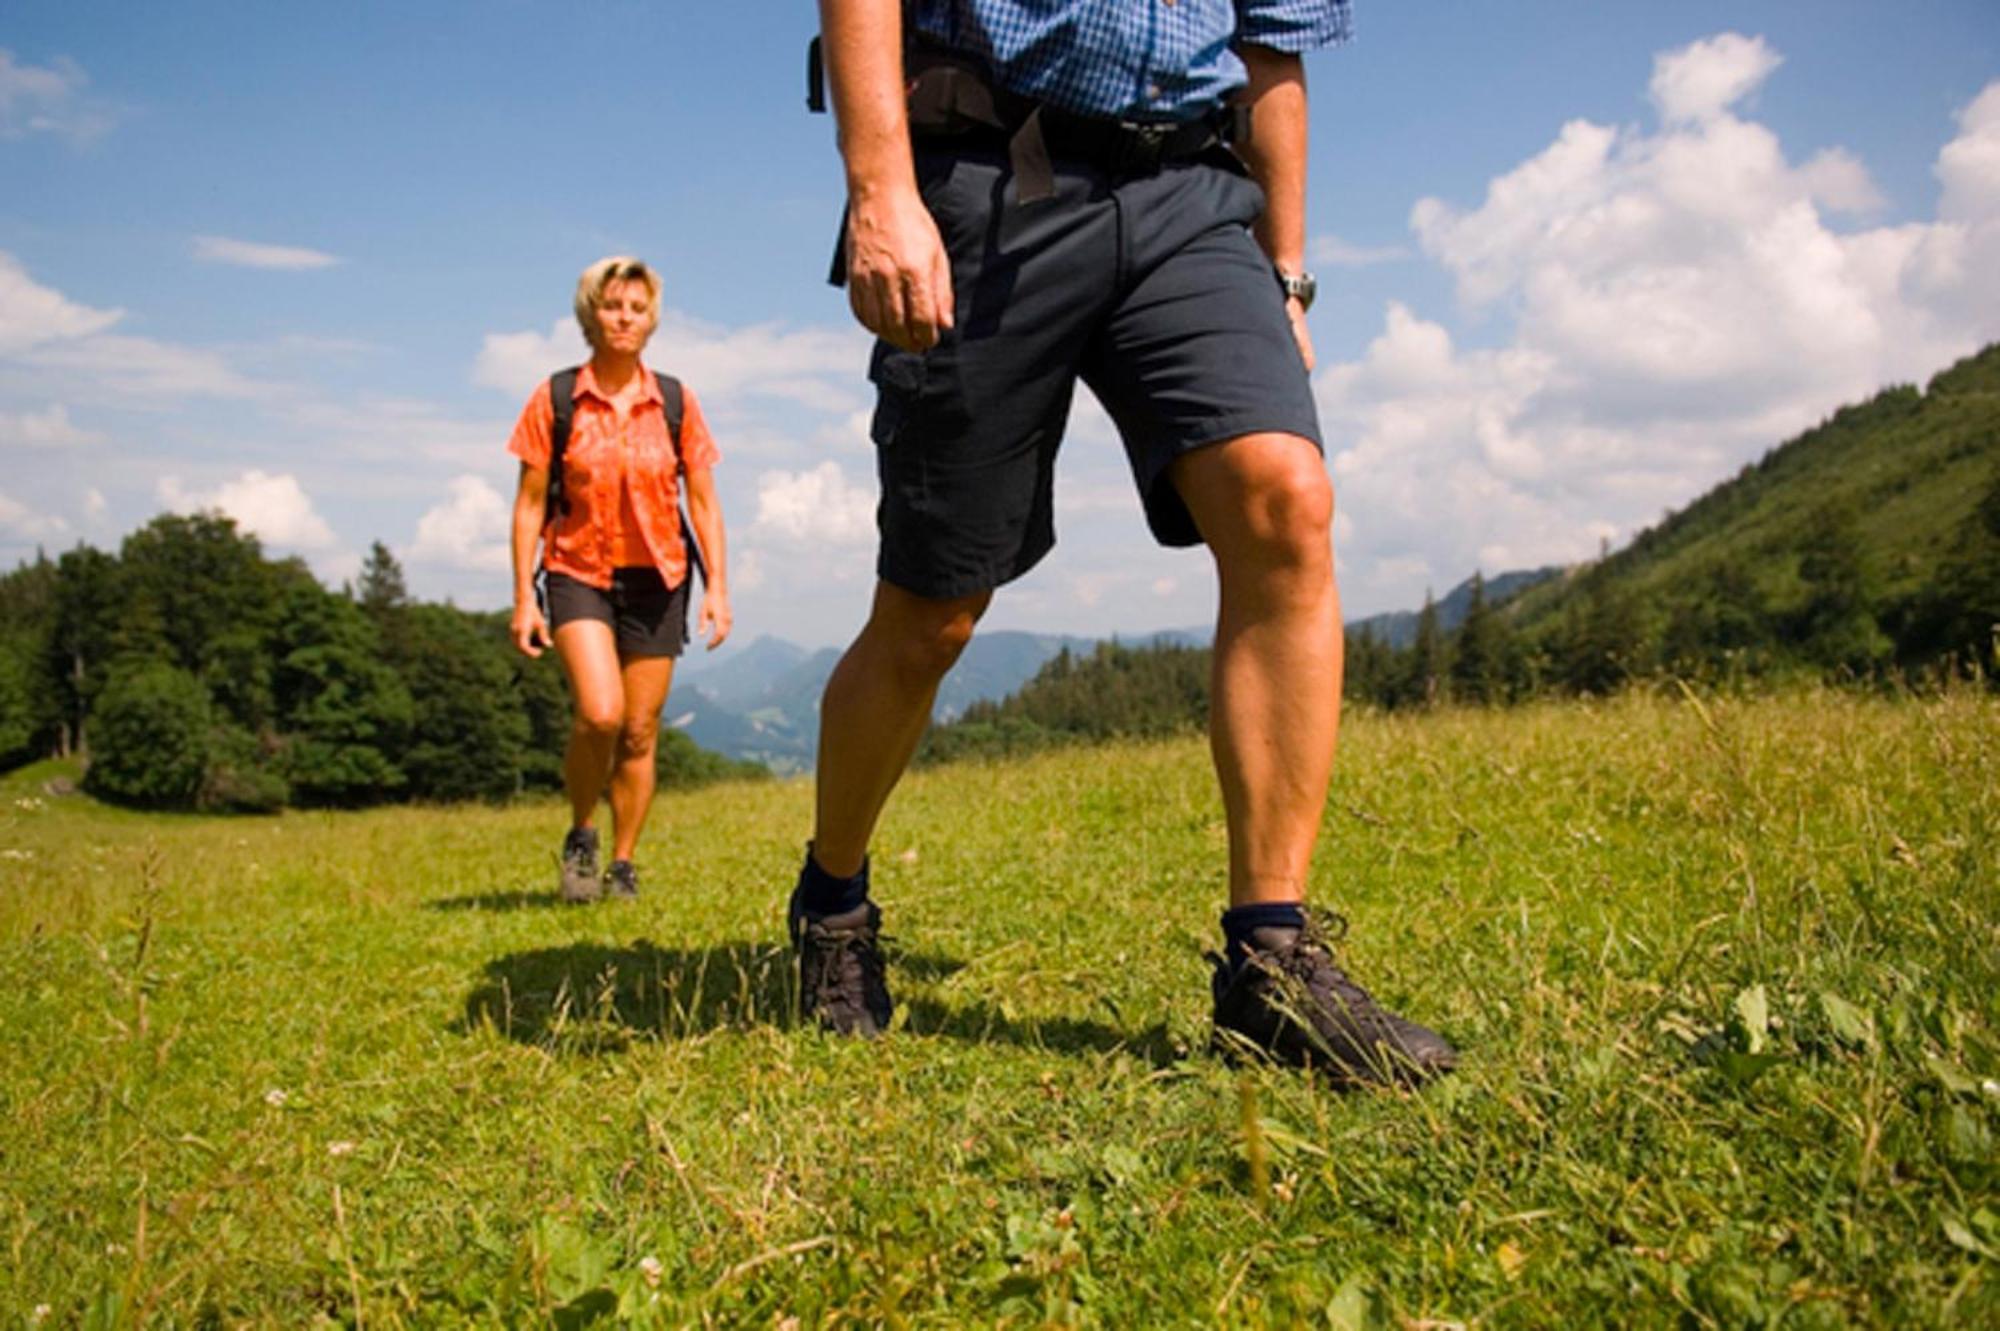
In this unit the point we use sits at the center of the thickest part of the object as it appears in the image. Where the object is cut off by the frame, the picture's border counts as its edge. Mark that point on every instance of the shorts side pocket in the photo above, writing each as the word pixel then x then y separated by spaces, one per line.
pixel 898 377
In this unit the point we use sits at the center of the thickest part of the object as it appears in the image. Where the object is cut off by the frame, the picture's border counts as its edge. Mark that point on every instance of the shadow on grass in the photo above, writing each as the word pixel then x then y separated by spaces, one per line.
pixel 499 901
pixel 592 998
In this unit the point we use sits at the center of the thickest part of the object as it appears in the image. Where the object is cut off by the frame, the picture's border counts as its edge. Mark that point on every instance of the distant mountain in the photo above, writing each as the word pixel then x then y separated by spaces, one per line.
pixel 743 676
pixel 763 703
pixel 1398 628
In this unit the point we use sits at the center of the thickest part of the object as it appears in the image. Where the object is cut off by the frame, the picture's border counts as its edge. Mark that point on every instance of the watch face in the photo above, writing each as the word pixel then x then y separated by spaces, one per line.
pixel 1301 288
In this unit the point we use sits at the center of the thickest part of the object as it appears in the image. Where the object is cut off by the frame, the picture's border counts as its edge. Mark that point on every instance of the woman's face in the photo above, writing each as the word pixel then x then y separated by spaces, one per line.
pixel 625 317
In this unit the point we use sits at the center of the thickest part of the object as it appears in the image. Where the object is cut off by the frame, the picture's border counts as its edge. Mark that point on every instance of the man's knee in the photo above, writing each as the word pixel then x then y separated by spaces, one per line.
pixel 926 635
pixel 1289 508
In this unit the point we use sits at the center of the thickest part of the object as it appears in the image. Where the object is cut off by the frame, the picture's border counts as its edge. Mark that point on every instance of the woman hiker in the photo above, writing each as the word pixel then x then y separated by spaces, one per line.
pixel 600 502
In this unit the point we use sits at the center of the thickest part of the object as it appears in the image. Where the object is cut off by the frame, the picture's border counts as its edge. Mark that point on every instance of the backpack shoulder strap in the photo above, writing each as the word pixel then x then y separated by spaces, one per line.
pixel 676 407
pixel 562 400
pixel 562 406
pixel 675 401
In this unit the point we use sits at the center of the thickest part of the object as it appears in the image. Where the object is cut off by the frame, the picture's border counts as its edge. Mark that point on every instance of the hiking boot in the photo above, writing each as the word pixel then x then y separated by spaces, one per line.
pixel 621 880
pixel 579 865
pixel 841 980
pixel 1289 1000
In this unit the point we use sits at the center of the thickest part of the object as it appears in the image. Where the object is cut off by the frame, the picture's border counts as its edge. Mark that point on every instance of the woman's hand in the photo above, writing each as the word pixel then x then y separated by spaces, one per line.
pixel 530 630
pixel 716 618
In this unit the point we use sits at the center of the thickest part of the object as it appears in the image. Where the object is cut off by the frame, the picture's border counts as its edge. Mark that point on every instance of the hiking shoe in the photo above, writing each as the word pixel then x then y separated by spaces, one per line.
pixel 621 880
pixel 579 865
pixel 1289 1000
pixel 841 980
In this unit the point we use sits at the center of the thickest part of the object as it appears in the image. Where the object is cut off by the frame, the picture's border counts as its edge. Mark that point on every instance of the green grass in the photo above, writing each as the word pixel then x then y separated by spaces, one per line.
pixel 1728 979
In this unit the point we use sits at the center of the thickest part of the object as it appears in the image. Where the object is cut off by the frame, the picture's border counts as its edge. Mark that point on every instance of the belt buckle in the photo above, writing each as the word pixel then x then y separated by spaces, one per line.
pixel 1141 144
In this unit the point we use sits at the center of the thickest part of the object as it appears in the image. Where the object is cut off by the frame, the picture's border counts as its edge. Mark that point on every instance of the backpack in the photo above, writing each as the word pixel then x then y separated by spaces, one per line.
pixel 562 398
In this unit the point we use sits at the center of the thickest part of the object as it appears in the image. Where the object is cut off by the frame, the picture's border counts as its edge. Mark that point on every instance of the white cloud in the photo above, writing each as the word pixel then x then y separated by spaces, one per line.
pixel 68 346
pixel 275 508
pixel 1837 180
pixel 250 254
pixel 94 505
pixel 48 428
pixel 1679 305
pixel 48 99
pixel 1969 166
pixel 143 369
pixel 468 531
pixel 20 523
pixel 516 362
pixel 32 315
pixel 1333 252
pixel 818 507
pixel 1703 80
pixel 818 368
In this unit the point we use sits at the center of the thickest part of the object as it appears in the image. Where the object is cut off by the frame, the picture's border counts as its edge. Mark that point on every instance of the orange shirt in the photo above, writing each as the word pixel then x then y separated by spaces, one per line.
pixel 621 478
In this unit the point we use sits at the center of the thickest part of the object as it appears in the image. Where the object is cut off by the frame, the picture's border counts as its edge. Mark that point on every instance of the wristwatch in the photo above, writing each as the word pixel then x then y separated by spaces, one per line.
pixel 1301 287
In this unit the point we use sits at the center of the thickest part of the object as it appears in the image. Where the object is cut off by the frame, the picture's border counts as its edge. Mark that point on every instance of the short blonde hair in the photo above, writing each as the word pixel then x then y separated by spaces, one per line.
pixel 597 279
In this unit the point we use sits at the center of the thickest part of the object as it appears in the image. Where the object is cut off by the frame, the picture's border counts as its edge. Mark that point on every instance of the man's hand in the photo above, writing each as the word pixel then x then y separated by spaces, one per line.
pixel 898 276
pixel 1300 333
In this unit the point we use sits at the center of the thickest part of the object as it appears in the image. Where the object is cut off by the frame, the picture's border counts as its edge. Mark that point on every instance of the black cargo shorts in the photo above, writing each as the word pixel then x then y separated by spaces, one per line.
pixel 1150 289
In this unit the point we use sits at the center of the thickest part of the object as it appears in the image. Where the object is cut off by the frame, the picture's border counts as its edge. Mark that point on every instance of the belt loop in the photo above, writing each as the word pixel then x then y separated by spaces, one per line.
pixel 1028 153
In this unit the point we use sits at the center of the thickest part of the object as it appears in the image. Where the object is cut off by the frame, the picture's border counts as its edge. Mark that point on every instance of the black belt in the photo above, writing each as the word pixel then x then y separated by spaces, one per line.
pixel 952 99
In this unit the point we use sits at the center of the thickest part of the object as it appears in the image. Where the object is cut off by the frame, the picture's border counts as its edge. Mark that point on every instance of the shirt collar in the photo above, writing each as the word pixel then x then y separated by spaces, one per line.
pixel 649 386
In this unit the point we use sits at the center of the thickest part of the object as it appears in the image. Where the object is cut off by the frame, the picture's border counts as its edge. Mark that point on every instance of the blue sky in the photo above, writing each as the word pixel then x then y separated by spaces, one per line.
pixel 1578 262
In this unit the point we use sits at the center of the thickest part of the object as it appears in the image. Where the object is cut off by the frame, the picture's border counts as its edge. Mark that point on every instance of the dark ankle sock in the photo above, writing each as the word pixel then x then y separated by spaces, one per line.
pixel 821 894
pixel 1239 922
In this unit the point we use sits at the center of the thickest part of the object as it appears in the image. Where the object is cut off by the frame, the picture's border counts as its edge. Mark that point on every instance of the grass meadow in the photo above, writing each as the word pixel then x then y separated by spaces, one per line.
pixel 1727 974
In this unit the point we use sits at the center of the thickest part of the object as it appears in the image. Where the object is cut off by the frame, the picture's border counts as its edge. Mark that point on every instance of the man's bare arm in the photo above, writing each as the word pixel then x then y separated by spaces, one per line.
pixel 1276 156
pixel 898 277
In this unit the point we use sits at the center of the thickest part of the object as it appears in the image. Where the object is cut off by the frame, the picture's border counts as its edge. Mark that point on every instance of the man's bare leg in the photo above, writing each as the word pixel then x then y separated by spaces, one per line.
pixel 1265 506
pixel 874 711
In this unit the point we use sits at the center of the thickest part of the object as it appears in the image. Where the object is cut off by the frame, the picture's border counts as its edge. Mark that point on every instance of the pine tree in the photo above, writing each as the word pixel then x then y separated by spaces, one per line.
pixel 1603 641
pixel 1424 669
pixel 1476 663
pixel 382 588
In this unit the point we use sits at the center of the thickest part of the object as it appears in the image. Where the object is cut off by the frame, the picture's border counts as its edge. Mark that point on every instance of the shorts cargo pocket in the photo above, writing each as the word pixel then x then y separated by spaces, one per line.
pixel 899 382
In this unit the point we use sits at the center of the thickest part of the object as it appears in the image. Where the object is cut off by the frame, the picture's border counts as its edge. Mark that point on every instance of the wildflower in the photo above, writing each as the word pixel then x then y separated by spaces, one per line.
pixel 275 1098
pixel 650 1271
pixel 340 1148
pixel 40 1314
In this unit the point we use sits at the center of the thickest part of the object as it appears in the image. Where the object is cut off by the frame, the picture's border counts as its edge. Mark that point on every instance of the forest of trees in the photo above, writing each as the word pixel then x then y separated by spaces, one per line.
pixel 193 672
pixel 1600 635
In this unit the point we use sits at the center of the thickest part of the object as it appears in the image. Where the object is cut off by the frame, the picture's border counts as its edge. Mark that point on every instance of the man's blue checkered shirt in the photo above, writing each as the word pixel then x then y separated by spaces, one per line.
pixel 1133 59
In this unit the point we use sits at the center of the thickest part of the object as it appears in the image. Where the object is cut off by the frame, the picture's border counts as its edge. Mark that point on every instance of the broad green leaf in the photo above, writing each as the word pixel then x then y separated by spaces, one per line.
pixel 1753 1010
pixel 1352 1307
pixel 1852 1025
pixel 1961 1237
pixel 1954 1078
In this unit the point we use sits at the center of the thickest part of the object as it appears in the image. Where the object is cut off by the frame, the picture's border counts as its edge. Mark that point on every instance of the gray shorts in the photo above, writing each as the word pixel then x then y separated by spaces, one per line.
pixel 647 617
pixel 1149 289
